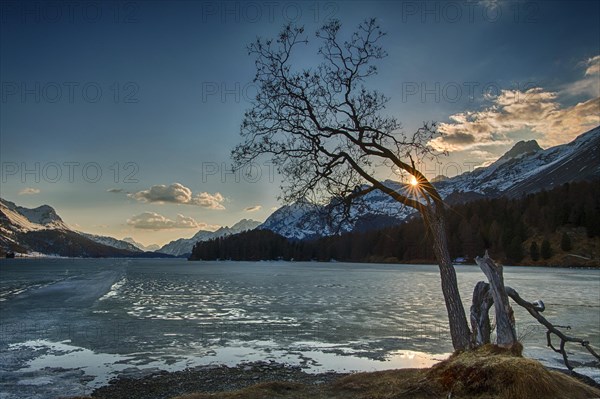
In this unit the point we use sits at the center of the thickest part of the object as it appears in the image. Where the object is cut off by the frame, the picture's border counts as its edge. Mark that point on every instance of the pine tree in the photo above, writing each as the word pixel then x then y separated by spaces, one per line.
pixel 514 251
pixel 534 251
pixel 565 242
pixel 546 251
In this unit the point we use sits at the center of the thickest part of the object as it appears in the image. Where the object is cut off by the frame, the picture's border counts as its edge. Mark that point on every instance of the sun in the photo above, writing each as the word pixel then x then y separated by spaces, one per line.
pixel 413 181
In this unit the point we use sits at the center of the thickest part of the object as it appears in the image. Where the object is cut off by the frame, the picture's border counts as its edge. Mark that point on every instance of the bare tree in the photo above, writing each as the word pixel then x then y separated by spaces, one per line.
pixel 328 136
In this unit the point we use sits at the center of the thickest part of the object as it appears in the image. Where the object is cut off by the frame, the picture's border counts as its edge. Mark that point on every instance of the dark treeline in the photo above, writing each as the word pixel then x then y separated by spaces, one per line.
pixel 501 225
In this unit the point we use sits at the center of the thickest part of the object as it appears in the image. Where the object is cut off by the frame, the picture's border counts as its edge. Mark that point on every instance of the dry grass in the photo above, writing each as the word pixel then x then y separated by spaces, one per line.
pixel 267 390
pixel 489 372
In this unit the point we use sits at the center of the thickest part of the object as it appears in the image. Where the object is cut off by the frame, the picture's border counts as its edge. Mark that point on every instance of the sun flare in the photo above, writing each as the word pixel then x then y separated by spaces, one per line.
pixel 413 181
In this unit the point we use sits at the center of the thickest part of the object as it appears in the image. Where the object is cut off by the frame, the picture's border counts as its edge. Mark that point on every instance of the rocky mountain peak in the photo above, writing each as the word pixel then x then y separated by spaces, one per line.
pixel 522 147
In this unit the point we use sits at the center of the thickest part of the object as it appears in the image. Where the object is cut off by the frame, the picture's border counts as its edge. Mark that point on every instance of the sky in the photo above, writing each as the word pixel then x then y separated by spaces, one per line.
pixel 122 115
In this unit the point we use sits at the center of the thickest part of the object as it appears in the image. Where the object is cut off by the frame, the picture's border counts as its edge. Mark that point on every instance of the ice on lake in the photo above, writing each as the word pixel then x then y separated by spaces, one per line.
pixel 69 325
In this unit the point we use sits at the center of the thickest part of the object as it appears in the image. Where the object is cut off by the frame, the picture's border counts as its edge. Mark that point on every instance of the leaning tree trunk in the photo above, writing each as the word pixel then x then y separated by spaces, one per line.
pixel 459 328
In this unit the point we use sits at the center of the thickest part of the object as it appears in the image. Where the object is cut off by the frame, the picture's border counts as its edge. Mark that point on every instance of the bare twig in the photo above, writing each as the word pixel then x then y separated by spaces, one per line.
pixel 535 309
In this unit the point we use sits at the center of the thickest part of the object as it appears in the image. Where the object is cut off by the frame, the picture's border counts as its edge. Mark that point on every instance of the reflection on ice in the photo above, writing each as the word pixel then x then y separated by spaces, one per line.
pixel 79 370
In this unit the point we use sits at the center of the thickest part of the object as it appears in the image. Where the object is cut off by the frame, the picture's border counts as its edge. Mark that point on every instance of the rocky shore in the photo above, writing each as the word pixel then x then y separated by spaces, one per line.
pixel 486 372
pixel 163 385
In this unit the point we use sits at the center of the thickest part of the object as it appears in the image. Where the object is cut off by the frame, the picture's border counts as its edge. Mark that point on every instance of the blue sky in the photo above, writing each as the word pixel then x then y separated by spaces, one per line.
pixel 142 100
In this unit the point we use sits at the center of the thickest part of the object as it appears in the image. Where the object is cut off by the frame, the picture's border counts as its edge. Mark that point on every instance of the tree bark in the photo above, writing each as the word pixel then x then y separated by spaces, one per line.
pixel 480 314
pixel 506 335
pixel 457 319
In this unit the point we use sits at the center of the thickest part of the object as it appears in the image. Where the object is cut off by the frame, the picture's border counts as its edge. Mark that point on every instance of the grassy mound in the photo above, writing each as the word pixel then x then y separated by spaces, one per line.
pixel 489 372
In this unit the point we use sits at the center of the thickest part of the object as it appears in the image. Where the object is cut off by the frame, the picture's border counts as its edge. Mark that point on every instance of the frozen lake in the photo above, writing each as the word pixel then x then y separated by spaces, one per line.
pixel 69 325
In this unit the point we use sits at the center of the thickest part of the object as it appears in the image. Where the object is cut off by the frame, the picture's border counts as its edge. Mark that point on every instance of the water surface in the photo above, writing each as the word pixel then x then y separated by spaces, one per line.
pixel 69 325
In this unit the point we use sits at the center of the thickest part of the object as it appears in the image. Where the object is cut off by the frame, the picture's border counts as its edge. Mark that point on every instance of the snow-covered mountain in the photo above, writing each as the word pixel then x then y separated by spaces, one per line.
pixel 111 242
pixel 520 149
pixel 303 220
pixel 149 248
pixel 525 168
pixel 184 246
pixel 40 230
pixel 23 219
pixel 299 220
pixel 533 170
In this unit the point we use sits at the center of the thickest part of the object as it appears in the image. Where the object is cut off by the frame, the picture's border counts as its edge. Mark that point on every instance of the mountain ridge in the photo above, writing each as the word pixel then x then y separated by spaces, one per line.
pixel 525 168
pixel 151 247
pixel 520 148
pixel 183 246
pixel 42 231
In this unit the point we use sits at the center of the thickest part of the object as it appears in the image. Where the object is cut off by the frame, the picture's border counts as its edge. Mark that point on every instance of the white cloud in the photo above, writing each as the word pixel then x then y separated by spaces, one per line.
pixel 177 193
pixel 155 221
pixel 593 66
pixel 207 200
pixel 482 154
pixel 513 110
pixel 253 208
pixel 590 84
pixel 535 109
pixel 29 191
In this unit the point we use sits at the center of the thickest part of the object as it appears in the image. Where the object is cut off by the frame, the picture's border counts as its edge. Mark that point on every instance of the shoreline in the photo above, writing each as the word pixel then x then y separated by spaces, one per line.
pixel 414 263
pixel 215 379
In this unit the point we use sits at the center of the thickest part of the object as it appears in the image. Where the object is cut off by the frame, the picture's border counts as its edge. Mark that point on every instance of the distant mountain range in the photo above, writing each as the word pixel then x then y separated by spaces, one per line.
pixel 40 230
pixel 112 242
pixel 151 247
pixel 526 168
pixel 183 246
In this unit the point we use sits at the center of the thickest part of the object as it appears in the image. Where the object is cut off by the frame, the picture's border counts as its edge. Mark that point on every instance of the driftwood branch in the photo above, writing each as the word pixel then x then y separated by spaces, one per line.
pixel 495 292
pixel 506 335
pixel 535 308
pixel 480 314
pixel 480 321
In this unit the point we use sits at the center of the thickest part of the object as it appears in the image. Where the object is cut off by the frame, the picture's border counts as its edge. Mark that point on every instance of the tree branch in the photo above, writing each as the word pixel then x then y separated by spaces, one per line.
pixel 535 309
